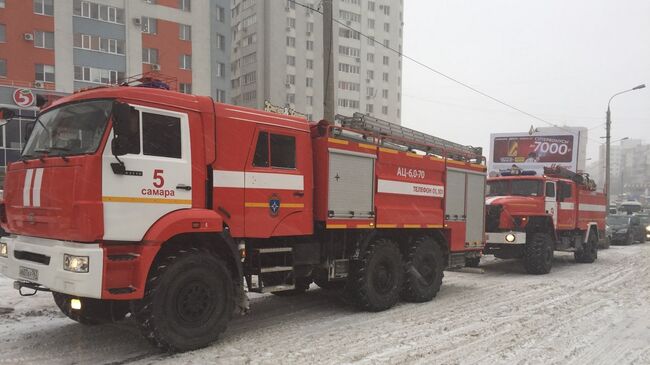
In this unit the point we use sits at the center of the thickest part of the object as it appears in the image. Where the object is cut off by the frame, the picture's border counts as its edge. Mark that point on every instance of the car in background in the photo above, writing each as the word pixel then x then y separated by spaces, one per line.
pixel 645 223
pixel 625 229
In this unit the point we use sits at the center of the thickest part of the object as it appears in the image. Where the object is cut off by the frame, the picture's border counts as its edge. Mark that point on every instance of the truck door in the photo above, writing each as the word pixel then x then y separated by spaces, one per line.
pixel 550 200
pixel 278 184
pixel 567 205
pixel 158 174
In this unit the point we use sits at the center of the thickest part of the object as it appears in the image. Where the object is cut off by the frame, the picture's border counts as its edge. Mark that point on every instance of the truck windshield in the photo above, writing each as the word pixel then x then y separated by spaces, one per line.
pixel 514 187
pixel 71 129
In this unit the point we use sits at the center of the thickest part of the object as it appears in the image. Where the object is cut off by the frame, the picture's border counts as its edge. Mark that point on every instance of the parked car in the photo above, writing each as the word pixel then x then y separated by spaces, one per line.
pixel 645 223
pixel 625 229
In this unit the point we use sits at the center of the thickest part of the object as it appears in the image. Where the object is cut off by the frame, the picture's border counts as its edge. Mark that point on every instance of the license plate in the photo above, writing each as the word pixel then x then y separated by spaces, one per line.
pixel 28 273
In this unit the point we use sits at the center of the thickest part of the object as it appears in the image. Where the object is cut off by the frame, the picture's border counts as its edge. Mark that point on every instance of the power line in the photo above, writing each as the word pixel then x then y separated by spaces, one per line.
pixel 440 73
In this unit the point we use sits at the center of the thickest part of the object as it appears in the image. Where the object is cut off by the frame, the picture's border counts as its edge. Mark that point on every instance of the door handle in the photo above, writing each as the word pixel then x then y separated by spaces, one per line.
pixel 299 193
pixel 183 187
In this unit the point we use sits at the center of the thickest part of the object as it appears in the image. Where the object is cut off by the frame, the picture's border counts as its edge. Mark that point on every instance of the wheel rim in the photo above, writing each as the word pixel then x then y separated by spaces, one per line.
pixel 384 277
pixel 195 302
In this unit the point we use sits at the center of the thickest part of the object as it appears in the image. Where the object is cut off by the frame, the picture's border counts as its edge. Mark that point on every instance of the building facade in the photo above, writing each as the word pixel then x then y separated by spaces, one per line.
pixel 58 47
pixel 278 56
pixel 629 166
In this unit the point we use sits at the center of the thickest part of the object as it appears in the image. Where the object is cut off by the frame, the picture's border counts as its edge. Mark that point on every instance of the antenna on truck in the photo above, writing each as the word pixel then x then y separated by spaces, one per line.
pixel 410 139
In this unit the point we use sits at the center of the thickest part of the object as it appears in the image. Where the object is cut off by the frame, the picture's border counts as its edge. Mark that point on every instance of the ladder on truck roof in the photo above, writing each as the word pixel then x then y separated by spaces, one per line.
pixel 579 178
pixel 396 136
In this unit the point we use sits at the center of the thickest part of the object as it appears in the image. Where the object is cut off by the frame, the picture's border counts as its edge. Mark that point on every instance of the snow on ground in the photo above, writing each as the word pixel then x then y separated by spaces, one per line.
pixel 579 314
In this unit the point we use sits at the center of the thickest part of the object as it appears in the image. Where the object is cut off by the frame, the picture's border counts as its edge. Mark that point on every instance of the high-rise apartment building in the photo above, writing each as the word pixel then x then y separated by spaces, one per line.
pixel 278 56
pixel 57 47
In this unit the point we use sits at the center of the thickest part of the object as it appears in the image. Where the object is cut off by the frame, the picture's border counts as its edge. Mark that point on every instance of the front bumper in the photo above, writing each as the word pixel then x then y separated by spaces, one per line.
pixel 500 238
pixel 46 257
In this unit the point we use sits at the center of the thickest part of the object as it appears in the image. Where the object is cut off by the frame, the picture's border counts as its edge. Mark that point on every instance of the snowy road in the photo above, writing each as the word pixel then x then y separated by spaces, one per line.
pixel 580 313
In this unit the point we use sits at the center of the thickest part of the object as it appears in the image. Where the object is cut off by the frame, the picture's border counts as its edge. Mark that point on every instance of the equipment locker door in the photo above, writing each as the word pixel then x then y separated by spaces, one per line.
pixel 158 178
pixel 278 190
pixel 550 201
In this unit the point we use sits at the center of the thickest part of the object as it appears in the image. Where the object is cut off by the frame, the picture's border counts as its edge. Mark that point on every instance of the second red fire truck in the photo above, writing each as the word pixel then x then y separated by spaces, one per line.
pixel 169 206
pixel 529 216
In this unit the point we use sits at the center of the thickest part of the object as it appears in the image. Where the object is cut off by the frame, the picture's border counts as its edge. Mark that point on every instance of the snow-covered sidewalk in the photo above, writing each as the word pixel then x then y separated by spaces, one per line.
pixel 579 313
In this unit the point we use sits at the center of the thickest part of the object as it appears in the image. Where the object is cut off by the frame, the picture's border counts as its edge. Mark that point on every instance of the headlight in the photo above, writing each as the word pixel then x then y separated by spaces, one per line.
pixel 510 237
pixel 4 250
pixel 75 263
pixel 647 228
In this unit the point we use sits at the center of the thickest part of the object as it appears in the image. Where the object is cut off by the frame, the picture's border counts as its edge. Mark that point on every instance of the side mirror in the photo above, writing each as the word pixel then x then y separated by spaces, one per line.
pixel 6 114
pixel 125 127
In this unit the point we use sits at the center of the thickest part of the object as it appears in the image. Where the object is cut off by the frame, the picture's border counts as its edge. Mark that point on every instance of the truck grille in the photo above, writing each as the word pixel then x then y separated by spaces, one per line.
pixel 31 256
pixel 492 217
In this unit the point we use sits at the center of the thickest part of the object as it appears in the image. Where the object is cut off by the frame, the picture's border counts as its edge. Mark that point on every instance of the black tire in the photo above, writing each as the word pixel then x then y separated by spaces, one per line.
pixel 589 253
pixel 93 311
pixel 423 270
pixel 472 261
pixel 629 240
pixel 538 253
pixel 375 280
pixel 321 280
pixel 606 242
pixel 188 301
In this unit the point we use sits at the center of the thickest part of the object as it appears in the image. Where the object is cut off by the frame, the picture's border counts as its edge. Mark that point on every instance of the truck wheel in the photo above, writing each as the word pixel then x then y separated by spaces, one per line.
pixel 589 253
pixel 188 301
pixel 605 243
pixel 375 281
pixel 423 270
pixel 629 239
pixel 472 261
pixel 538 254
pixel 93 311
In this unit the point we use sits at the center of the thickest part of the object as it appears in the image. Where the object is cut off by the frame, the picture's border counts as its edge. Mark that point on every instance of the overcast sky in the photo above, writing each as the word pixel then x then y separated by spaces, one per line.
pixel 558 59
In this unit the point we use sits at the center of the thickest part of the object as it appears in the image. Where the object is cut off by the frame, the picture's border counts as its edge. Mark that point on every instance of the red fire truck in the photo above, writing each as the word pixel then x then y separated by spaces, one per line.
pixel 530 216
pixel 170 207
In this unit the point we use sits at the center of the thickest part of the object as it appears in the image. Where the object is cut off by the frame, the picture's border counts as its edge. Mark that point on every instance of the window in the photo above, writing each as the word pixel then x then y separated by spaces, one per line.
pixel 563 190
pixel 369 108
pixel 386 27
pixel 249 59
pixel 384 110
pixel 386 10
pixel 371 5
pixel 43 39
pixel 283 151
pixel 370 75
pixel 2 4
pixel 309 82
pixel 348 103
pixel 349 51
pixel 384 93
pixel 310 27
pixel 291 79
pixel 161 135
pixel 370 91
pixel 550 190
pixel 221 42
pixel 310 64
pixel 371 23
pixel 291 60
pixel 44 73
pixel 44 7
pixel 291 98
pixel 185 62
pixel 386 43
pixel 344 67
pixel 221 96
pixel 261 157
pixel 291 22
pixel 371 41
pixel 349 33
pixel 310 45
pixel 3 67
pixel 291 42
pixel 349 16
pixel 249 78
pixel 99 12
pixel 97 75
pixel 184 32
pixel 386 60
pixel 185 5
pixel 385 76
pixel 310 100
pixel 95 43
pixel 3 33
pixel 150 55
pixel 370 57
pixel 149 25
pixel 221 70
pixel 221 14
pixel 185 88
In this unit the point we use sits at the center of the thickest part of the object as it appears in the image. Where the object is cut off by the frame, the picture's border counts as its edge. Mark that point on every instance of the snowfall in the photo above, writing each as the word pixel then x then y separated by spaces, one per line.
pixel 578 314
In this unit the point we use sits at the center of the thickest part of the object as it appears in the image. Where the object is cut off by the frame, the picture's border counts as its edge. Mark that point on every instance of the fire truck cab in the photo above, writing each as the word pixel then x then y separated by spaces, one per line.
pixel 529 216
pixel 171 206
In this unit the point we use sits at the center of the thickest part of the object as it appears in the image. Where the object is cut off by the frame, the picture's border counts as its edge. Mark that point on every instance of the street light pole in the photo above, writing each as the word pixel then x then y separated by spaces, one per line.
pixel 608 129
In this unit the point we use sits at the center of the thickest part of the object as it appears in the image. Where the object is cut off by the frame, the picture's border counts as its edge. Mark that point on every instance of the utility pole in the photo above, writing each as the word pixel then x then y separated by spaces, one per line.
pixel 608 129
pixel 328 62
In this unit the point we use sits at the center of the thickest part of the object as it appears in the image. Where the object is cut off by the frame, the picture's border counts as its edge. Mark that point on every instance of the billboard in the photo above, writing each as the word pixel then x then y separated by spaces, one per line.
pixel 533 151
